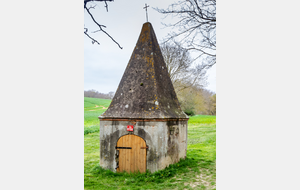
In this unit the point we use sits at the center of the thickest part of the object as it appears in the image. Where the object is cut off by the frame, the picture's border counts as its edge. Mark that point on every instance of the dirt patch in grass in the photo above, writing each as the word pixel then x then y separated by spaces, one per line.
pixel 207 180
pixel 202 180
pixel 96 106
pixel 195 184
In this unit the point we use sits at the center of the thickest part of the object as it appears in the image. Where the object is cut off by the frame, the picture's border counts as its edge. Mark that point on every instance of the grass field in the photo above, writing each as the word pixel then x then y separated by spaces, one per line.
pixel 197 171
pixel 93 107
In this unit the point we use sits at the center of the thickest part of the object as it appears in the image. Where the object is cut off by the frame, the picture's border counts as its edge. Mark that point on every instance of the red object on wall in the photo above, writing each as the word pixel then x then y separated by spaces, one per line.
pixel 129 127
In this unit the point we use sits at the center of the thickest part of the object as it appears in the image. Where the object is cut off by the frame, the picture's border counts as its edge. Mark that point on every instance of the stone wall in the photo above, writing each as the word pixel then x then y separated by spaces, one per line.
pixel 167 141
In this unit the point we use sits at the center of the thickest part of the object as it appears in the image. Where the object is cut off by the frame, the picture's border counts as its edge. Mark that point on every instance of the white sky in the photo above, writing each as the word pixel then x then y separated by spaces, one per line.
pixel 105 64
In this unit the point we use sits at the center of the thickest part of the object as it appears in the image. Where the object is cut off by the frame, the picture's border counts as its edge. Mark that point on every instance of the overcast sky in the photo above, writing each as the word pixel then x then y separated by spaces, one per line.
pixel 105 64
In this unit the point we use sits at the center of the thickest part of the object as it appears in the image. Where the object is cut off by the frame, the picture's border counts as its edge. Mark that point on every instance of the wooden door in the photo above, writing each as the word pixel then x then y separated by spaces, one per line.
pixel 132 154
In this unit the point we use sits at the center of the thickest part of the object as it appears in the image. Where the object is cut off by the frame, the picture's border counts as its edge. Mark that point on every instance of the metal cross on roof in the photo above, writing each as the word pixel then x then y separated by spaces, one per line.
pixel 146 11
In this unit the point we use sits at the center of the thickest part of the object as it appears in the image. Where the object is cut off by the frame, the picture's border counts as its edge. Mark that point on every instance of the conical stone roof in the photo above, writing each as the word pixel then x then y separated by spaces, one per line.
pixel 145 90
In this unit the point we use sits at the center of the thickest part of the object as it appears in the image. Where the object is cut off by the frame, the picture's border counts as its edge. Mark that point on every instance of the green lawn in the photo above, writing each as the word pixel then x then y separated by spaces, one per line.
pixel 197 119
pixel 197 171
pixel 93 107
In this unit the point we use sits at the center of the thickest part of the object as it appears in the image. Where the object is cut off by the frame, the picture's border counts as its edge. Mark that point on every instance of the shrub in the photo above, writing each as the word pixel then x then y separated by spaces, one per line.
pixel 91 129
pixel 189 112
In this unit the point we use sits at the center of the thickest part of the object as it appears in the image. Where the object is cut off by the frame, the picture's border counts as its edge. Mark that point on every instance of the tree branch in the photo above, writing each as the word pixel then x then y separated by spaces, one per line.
pixel 93 40
pixel 99 25
pixel 196 27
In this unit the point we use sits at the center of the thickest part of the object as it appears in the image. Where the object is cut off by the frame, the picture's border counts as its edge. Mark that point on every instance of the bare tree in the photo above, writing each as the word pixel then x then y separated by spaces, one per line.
pixel 197 100
pixel 209 102
pixel 196 27
pixel 188 80
pixel 184 73
pixel 111 95
pixel 87 7
pixel 213 105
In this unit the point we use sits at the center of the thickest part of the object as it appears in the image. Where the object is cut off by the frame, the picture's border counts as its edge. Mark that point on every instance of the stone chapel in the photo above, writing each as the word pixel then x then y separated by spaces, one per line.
pixel 144 127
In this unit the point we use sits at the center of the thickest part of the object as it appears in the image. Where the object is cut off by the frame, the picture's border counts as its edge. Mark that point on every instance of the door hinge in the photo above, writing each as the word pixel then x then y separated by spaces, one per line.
pixel 117 147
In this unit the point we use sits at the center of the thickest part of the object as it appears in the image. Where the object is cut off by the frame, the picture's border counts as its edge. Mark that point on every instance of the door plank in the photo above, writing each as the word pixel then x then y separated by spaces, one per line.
pixel 135 154
pixel 132 139
pixel 123 155
pixel 130 155
pixel 127 155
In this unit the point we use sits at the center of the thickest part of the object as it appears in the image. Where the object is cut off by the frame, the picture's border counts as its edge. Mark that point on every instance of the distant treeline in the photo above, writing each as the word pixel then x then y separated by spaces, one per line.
pixel 192 101
pixel 96 94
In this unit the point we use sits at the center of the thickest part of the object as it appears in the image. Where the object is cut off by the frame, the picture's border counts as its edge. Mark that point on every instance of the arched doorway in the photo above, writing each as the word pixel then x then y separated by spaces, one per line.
pixel 132 154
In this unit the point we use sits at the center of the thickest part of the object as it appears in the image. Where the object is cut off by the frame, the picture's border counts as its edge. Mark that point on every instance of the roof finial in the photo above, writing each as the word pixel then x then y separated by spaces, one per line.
pixel 146 11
